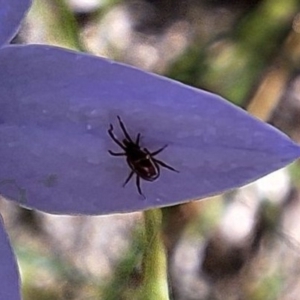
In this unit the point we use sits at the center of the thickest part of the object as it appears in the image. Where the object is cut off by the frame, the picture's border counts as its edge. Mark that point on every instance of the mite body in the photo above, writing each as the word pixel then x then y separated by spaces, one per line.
pixel 140 160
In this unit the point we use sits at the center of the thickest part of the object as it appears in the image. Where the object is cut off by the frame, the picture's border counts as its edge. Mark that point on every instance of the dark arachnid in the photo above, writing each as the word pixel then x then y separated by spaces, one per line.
pixel 140 160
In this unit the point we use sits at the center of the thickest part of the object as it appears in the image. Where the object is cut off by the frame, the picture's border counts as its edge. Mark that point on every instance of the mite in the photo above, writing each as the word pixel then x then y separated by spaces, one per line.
pixel 141 161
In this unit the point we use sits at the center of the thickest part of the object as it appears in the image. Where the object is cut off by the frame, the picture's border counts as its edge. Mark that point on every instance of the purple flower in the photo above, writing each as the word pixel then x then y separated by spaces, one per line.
pixel 9 277
pixel 56 109
pixel 11 14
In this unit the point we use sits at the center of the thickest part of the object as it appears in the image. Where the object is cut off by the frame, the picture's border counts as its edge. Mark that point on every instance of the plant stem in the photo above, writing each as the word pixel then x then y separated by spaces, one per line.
pixel 155 281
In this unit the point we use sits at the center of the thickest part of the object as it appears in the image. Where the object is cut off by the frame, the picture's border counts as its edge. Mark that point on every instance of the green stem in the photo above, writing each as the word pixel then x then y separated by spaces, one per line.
pixel 58 23
pixel 155 281
pixel 67 29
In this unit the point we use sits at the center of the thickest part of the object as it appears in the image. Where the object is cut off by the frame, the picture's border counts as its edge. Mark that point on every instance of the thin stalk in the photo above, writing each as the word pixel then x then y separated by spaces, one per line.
pixel 155 280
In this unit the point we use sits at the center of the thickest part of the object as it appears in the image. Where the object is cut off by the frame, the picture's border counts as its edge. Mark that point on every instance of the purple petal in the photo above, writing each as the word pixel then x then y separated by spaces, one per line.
pixel 11 15
pixel 9 276
pixel 56 108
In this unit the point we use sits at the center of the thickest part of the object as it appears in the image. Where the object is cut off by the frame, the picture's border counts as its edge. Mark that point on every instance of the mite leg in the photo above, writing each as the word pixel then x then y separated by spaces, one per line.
pixel 138 184
pixel 137 141
pixel 124 130
pixel 113 137
pixel 116 154
pixel 165 165
pixel 128 178
pixel 158 151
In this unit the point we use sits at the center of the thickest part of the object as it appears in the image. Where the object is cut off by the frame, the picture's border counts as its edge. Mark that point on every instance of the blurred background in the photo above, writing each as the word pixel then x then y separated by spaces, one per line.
pixel 238 246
